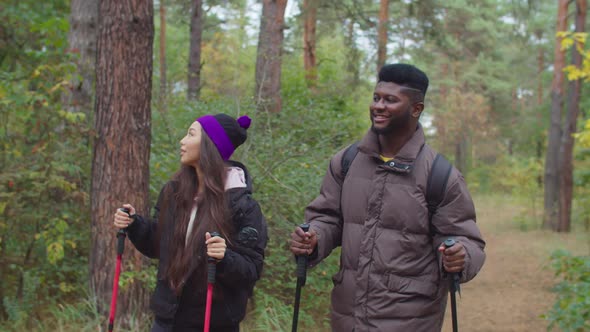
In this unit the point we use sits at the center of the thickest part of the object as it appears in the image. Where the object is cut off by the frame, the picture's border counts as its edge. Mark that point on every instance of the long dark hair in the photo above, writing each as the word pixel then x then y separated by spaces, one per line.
pixel 212 213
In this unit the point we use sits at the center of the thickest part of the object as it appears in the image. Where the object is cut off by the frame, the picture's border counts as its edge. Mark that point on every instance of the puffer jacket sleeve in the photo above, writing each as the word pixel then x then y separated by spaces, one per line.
pixel 143 231
pixel 244 256
pixel 455 217
pixel 324 213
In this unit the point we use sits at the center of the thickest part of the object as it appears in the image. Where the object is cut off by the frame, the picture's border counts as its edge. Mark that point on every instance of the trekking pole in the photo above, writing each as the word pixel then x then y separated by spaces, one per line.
pixel 301 273
pixel 454 287
pixel 121 234
pixel 211 266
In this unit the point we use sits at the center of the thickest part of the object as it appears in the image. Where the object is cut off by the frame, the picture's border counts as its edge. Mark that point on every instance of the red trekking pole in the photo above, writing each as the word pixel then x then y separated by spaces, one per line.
pixel 121 234
pixel 211 266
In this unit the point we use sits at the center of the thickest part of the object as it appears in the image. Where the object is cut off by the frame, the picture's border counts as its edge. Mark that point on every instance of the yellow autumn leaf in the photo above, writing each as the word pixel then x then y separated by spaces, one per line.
pixel 566 43
pixel 580 37
pixel 573 74
pixel 58 85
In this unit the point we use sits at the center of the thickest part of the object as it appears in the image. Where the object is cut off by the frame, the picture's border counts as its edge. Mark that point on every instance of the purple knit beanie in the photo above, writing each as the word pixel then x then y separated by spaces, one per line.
pixel 226 132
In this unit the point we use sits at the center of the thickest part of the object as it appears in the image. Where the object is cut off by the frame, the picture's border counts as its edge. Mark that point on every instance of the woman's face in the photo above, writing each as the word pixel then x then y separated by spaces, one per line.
pixel 190 145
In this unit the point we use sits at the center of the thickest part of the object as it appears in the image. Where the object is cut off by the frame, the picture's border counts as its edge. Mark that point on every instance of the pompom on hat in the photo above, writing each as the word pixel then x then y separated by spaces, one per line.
pixel 226 132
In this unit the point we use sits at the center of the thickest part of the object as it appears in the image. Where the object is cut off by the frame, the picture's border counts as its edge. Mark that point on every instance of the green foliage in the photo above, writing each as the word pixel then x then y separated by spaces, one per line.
pixel 45 151
pixel 44 157
pixel 514 176
pixel 271 314
pixel 146 276
pixel 581 202
pixel 571 311
pixel 80 315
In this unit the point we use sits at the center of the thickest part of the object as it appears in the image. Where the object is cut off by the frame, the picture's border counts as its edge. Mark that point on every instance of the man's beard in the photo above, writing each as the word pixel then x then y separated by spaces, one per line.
pixel 395 124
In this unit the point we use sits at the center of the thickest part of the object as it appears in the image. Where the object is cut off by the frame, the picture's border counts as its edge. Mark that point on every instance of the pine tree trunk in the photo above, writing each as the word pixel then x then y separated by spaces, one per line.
pixel 268 58
pixel 309 41
pixel 461 153
pixel 540 70
pixel 382 33
pixel 354 55
pixel 194 57
pixel 551 204
pixel 163 68
pixel 567 141
pixel 82 41
pixel 120 167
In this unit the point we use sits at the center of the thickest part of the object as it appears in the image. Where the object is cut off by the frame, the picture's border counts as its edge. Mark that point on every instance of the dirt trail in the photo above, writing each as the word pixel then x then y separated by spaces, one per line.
pixel 513 289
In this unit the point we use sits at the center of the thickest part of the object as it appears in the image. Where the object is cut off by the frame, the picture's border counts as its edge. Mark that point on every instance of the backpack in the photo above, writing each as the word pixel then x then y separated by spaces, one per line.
pixel 437 178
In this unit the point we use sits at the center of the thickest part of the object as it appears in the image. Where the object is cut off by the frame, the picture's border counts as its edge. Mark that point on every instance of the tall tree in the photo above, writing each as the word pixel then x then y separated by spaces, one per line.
pixel 353 59
pixel 120 167
pixel 566 167
pixel 551 203
pixel 194 57
pixel 163 83
pixel 269 53
pixel 310 11
pixel 382 33
pixel 540 70
pixel 82 41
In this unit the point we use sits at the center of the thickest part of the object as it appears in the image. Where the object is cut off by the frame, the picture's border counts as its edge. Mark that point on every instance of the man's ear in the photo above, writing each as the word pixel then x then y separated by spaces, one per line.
pixel 417 109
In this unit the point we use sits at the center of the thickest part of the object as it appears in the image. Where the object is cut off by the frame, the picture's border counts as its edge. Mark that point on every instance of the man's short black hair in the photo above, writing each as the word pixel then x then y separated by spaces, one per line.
pixel 404 75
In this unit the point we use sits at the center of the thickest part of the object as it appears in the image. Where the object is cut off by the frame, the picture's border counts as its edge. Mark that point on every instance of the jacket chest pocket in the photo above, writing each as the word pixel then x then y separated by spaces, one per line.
pixel 403 207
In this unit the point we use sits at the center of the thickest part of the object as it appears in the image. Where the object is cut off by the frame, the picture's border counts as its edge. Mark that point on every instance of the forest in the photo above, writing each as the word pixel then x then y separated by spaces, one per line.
pixel 96 95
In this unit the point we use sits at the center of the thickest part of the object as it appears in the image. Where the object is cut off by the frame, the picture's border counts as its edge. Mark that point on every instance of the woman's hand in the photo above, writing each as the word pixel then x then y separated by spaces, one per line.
pixel 122 219
pixel 215 246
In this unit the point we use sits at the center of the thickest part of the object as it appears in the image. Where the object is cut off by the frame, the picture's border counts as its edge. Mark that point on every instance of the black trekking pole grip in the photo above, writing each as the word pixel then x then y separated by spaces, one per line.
pixel 211 262
pixel 300 272
pixel 121 234
pixel 454 285
pixel 449 242
pixel 302 259
pixel 454 276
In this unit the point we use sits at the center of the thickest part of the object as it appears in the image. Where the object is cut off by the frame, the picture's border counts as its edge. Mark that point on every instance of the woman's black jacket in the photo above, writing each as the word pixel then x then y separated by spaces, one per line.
pixel 236 273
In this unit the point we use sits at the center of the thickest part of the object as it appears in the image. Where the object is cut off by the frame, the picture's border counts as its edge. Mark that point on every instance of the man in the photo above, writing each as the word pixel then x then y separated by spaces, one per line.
pixel 391 274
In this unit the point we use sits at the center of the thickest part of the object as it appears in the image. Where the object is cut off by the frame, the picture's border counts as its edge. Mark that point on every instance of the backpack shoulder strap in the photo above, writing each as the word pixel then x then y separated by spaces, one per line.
pixel 348 157
pixel 437 182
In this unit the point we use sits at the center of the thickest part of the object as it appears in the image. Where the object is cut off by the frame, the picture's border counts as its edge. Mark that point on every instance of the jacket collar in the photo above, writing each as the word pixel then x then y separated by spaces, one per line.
pixel 369 144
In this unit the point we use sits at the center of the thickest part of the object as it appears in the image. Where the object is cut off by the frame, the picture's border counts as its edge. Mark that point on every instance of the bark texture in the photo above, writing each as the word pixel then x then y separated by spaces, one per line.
pixel 566 168
pixel 268 59
pixel 120 168
pixel 310 11
pixel 194 57
pixel 551 178
pixel 82 42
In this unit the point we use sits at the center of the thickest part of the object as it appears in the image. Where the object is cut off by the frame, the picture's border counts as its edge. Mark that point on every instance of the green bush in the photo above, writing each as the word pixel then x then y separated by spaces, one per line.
pixel 571 311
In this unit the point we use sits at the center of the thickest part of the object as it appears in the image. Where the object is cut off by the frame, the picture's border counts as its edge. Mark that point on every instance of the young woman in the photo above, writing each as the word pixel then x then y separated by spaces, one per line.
pixel 209 193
